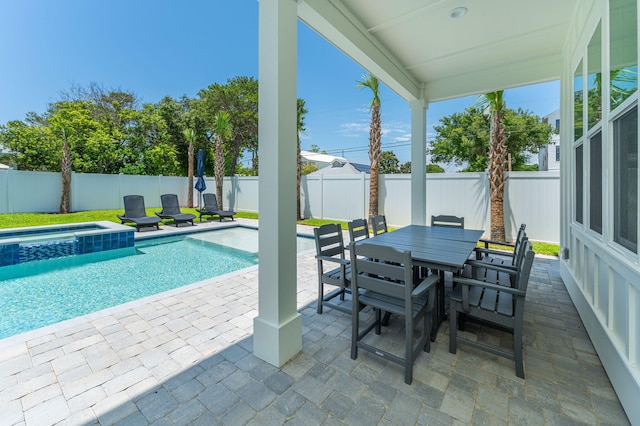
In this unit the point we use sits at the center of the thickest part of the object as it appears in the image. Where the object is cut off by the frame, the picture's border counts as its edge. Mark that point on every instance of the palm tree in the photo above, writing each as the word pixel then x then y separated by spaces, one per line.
pixel 190 135
pixel 375 136
pixel 223 132
pixel 65 202
pixel 494 103
pixel 301 112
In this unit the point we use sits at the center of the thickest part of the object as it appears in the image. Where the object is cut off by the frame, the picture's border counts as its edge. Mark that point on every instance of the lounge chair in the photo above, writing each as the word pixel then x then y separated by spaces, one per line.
pixel 171 210
pixel 135 212
pixel 210 208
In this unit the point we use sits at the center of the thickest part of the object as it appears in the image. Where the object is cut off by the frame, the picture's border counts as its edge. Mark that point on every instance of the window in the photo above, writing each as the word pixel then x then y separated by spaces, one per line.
pixel 624 50
pixel 557 125
pixel 577 102
pixel 558 153
pixel 595 182
pixel 594 79
pixel 579 180
pixel 625 175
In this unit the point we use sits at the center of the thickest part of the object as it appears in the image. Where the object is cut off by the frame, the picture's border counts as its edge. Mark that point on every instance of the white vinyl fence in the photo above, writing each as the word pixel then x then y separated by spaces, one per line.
pixel 531 197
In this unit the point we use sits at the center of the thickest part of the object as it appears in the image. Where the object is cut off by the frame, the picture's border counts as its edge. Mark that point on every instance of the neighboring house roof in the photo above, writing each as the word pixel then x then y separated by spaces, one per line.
pixel 320 160
pixel 4 166
pixel 343 167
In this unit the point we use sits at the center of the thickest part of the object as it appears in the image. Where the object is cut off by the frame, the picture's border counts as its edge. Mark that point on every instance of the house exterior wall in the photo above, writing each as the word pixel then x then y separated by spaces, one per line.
pixel 602 276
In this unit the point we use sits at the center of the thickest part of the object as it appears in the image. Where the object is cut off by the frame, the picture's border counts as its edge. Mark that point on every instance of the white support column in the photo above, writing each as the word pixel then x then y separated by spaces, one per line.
pixel 278 326
pixel 418 162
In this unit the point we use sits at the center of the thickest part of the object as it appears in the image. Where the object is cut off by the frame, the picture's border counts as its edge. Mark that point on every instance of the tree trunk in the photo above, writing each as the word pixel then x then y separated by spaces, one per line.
pixel 299 177
pixel 190 175
pixel 374 157
pixel 65 199
pixel 497 176
pixel 219 171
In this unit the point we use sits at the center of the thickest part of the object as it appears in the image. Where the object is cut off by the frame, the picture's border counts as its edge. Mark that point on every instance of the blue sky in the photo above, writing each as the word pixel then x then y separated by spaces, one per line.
pixel 159 47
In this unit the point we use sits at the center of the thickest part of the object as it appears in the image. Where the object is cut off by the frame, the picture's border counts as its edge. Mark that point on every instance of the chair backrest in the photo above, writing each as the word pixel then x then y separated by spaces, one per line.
pixel 170 204
pixel 382 269
pixel 134 206
pixel 378 224
pixel 210 201
pixel 329 240
pixel 358 229
pixel 524 266
pixel 447 220
pixel 517 248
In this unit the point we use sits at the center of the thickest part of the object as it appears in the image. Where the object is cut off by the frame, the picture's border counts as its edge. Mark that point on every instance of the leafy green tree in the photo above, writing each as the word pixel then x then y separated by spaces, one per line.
pixel 308 168
pixel 375 139
pixel 223 131
pixel 389 163
pixel 301 112
pixel 463 138
pixel 406 168
pixel 316 148
pixel 434 168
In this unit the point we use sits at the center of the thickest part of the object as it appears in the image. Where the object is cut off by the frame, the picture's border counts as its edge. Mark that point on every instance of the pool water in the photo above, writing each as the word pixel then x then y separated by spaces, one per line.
pixel 50 291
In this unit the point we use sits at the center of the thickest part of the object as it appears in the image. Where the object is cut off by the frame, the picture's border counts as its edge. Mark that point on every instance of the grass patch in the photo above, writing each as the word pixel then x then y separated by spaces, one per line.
pixel 539 247
pixel 19 220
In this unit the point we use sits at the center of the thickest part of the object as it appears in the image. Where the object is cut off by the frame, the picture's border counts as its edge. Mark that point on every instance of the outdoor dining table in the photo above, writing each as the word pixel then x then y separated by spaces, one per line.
pixel 439 248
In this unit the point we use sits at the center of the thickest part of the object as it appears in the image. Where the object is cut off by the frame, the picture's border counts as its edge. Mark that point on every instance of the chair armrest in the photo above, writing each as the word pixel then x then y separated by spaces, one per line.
pixel 504 253
pixel 426 284
pixel 334 259
pixel 497 287
pixel 511 270
pixel 498 243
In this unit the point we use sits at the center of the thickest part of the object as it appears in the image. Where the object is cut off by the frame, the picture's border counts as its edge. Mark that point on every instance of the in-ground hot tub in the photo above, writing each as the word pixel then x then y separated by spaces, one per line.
pixel 20 245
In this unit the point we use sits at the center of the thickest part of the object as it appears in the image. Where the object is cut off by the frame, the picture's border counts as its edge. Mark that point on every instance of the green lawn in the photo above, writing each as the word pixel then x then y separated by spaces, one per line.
pixel 17 220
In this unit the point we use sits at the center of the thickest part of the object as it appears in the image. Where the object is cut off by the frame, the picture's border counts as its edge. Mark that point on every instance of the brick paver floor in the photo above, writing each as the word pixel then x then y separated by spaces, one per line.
pixel 185 357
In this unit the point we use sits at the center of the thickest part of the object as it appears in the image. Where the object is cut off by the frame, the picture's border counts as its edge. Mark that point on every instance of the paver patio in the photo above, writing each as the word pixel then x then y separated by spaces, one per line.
pixel 185 357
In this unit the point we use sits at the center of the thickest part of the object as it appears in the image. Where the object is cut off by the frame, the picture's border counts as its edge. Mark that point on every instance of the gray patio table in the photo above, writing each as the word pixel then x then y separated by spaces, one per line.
pixel 435 247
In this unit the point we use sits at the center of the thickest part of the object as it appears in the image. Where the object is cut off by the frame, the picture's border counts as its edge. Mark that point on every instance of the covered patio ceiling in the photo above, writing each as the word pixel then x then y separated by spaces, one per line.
pixel 417 49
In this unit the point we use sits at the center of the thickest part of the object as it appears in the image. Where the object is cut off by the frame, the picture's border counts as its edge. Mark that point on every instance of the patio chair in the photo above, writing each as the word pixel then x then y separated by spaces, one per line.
pixel 505 257
pixel 330 249
pixel 494 305
pixel 388 285
pixel 171 210
pixel 447 220
pixel 358 229
pixel 378 224
pixel 211 208
pixel 135 212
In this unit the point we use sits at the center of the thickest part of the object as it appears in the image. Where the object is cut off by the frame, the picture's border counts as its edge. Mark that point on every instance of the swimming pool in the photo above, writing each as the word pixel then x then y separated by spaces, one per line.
pixel 41 293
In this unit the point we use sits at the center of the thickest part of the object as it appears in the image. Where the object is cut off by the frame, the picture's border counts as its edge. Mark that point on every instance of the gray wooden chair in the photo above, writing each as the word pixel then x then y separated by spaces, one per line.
pixel 135 212
pixel 447 220
pixel 358 229
pixel 506 257
pixel 494 305
pixel 382 278
pixel 330 250
pixel 378 224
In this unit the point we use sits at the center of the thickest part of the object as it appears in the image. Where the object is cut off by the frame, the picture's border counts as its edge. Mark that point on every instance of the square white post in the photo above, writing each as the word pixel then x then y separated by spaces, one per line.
pixel 278 326
pixel 418 162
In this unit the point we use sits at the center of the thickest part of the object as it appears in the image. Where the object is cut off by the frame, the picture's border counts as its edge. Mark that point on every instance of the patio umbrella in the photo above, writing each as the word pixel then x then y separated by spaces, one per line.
pixel 200 184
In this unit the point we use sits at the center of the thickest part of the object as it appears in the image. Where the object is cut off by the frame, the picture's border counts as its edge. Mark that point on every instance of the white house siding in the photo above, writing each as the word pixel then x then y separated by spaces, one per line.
pixel 602 277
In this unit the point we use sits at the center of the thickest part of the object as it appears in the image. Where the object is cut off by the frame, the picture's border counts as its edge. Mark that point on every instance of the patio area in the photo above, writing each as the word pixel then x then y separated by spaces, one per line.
pixel 185 357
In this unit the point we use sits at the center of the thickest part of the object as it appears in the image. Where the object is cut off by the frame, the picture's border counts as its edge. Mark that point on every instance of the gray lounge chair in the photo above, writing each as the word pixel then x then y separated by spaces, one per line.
pixel 135 212
pixel 211 208
pixel 171 210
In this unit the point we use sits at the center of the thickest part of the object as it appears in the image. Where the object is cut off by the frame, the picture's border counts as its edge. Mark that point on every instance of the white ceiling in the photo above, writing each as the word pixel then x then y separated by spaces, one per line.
pixel 415 48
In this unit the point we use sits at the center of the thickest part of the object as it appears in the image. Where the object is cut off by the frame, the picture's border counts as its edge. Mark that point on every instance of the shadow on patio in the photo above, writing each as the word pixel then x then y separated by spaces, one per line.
pixel 187 359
